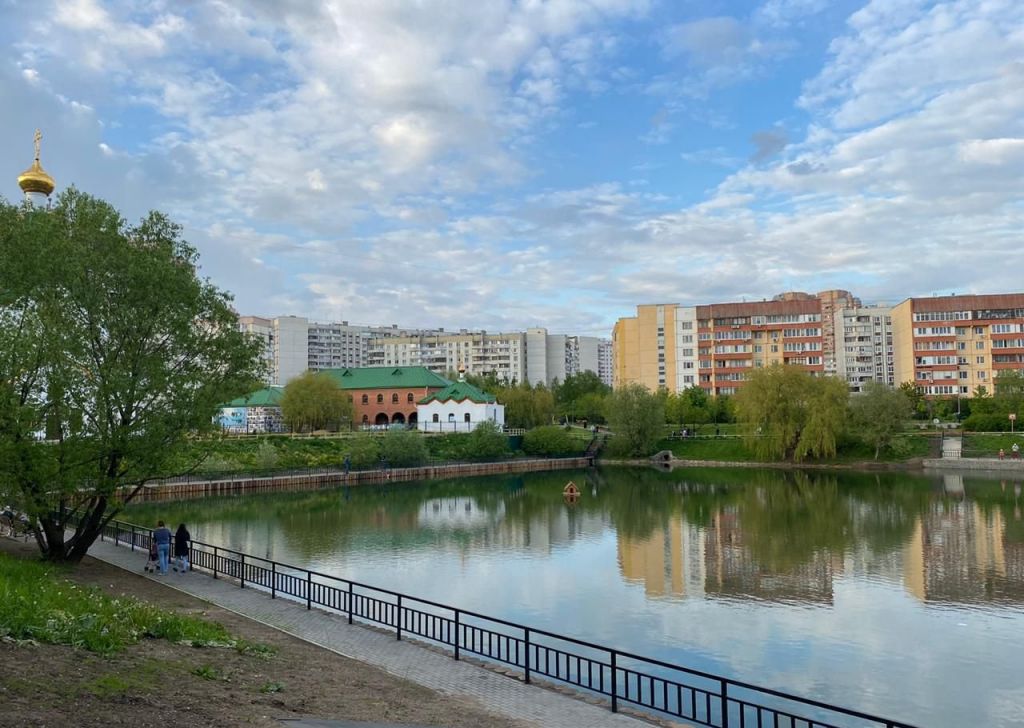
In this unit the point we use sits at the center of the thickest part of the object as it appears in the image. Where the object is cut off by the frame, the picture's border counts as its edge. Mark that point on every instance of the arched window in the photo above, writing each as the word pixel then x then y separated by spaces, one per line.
pixel 409 398
pixel 465 417
pixel 366 400
pixel 394 398
pixel 451 417
pixel 365 419
pixel 380 399
pixel 436 418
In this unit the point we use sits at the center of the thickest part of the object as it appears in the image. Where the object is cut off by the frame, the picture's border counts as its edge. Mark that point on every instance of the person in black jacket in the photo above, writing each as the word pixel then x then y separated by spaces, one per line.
pixel 181 541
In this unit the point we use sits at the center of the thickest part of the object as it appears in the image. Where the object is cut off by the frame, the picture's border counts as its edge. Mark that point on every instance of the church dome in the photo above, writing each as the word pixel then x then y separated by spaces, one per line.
pixel 35 178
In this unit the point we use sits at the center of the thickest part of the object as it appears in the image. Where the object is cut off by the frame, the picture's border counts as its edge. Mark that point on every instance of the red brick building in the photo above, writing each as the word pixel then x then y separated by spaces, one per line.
pixel 387 395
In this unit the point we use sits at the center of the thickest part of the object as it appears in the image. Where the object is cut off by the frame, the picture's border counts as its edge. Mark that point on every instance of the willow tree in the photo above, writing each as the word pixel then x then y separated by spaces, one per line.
pixel 789 414
pixel 113 352
pixel 314 401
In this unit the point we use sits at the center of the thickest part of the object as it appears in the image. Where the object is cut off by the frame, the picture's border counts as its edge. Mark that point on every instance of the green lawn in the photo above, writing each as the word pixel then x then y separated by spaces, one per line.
pixel 735 449
pixel 986 445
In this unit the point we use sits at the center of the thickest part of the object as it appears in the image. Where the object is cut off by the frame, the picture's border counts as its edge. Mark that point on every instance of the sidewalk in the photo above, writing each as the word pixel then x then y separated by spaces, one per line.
pixel 495 692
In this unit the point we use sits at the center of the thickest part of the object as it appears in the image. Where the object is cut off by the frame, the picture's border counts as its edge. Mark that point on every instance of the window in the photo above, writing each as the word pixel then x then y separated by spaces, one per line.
pixel 409 398
pixel 979 360
pixel 465 417
pixel 451 417
pixel 394 398
pixel 366 400
pixel 979 344
pixel 380 399
pixel 436 418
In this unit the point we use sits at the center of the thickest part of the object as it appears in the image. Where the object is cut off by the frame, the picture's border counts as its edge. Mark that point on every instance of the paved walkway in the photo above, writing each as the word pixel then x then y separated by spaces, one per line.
pixel 500 694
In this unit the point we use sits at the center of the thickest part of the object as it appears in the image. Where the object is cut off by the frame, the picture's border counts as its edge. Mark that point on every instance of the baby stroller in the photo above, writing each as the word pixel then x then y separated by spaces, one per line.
pixel 154 559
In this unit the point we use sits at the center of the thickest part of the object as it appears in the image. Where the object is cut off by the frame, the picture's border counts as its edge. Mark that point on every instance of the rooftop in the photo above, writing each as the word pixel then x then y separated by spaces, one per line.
pixel 386 377
pixel 459 392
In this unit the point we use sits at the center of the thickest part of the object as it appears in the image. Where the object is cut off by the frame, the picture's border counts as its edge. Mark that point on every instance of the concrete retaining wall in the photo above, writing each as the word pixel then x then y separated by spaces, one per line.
pixel 284 483
pixel 1016 466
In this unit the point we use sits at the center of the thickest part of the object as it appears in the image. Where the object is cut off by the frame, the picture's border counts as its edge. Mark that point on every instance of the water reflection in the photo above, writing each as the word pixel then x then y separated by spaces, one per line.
pixel 879 591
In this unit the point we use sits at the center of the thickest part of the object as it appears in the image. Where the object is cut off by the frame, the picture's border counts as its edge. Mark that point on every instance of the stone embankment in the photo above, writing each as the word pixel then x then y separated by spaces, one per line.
pixel 992 464
pixel 175 490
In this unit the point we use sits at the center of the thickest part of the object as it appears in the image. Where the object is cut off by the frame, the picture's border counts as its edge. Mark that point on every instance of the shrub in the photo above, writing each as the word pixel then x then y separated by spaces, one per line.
pixel 403 449
pixel 486 442
pixel 267 456
pixel 550 441
pixel 363 450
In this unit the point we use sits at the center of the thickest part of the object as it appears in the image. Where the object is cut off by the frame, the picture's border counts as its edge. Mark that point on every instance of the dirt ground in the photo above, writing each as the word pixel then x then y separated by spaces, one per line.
pixel 156 683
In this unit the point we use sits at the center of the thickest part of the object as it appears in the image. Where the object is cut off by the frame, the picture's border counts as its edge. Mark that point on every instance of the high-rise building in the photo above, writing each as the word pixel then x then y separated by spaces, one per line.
pixel 604 360
pixel 833 301
pixel 553 357
pixel 951 345
pixel 863 346
pixel 503 355
pixel 714 346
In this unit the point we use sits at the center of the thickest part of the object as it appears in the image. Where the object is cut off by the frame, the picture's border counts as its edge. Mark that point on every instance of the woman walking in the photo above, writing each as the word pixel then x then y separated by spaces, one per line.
pixel 181 540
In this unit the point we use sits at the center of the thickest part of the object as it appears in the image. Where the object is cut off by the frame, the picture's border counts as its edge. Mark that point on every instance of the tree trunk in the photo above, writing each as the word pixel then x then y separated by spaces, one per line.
pixel 53 538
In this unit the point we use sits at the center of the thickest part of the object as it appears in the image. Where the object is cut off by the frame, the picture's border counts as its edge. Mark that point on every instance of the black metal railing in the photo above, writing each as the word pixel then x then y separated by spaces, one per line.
pixel 624 678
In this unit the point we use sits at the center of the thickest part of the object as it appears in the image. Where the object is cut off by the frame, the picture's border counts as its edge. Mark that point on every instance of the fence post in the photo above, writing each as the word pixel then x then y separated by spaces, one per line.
pixel 214 562
pixel 273 580
pixel 526 655
pixel 117 533
pixel 398 619
pixel 614 686
pixel 351 605
pixel 725 704
pixel 456 640
pixel 133 537
pixel 242 573
pixel 309 590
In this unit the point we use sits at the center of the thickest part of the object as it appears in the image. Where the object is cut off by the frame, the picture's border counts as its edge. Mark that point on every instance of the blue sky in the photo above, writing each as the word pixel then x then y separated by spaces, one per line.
pixel 507 164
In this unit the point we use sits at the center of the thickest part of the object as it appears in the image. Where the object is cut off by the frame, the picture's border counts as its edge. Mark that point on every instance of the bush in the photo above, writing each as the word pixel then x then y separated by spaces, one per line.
pixel 486 442
pixel 987 423
pixel 363 451
pixel 267 456
pixel 551 441
pixel 403 449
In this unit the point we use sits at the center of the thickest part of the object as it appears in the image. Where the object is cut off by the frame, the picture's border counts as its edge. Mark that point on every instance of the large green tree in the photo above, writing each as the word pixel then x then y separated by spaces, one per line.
pixel 790 414
pixel 879 414
pixel 527 406
pixel 114 349
pixel 314 401
pixel 636 417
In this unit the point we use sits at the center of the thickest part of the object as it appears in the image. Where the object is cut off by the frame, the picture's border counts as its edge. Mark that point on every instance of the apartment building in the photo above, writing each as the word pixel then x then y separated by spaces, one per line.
pixel 951 345
pixel 553 357
pixel 863 346
pixel 605 359
pixel 503 355
pixel 715 346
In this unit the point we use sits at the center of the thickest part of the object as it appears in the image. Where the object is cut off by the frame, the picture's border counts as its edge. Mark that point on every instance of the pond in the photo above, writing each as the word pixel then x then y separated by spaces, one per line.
pixel 895 594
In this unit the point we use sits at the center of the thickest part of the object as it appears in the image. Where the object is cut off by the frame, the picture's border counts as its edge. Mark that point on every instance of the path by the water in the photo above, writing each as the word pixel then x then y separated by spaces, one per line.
pixel 500 694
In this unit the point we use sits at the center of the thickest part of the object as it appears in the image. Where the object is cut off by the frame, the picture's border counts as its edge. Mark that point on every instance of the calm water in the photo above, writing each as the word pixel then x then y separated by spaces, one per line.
pixel 899 595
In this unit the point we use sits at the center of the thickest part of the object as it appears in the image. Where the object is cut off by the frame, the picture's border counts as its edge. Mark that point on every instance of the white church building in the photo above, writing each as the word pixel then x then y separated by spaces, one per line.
pixel 459 407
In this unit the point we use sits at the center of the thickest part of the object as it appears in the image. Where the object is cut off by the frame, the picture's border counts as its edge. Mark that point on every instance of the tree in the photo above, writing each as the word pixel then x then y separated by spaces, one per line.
pixel 486 442
pixel 878 414
pixel 789 414
pixel 636 416
pixel 550 441
pixel 403 448
pixel 112 346
pixel 917 401
pixel 527 406
pixel 314 401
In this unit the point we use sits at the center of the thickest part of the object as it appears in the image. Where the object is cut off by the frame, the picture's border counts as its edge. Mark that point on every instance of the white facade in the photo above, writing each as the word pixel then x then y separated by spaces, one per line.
pixel 685 342
pixel 503 355
pixel 604 360
pixel 291 348
pixel 452 416
pixel 551 357
pixel 263 329
pixel 863 346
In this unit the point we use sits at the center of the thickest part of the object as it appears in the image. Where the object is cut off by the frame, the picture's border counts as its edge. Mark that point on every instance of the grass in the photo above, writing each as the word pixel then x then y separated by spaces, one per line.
pixel 986 445
pixel 734 449
pixel 36 603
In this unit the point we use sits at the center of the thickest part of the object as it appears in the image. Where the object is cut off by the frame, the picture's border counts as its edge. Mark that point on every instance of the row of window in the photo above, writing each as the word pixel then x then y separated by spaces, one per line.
pixel 943 316
pixel 410 398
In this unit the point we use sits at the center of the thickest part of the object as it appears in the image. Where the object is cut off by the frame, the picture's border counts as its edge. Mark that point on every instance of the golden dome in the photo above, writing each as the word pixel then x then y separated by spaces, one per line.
pixel 35 178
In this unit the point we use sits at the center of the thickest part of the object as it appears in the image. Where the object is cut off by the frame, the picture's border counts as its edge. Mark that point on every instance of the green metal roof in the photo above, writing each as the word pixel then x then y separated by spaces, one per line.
pixel 460 392
pixel 386 377
pixel 267 397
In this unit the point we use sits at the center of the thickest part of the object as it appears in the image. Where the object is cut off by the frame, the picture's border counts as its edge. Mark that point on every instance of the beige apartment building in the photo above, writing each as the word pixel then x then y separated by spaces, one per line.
pixel 715 346
pixel 951 345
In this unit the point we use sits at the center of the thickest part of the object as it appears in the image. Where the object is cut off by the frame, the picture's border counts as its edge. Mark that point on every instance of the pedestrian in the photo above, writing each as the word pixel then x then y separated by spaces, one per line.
pixel 1002 453
pixel 347 464
pixel 181 541
pixel 1016 451
pixel 718 431
pixel 162 538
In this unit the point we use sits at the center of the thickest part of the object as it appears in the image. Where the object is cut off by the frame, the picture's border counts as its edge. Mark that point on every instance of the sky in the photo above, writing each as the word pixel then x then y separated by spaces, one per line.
pixel 500 164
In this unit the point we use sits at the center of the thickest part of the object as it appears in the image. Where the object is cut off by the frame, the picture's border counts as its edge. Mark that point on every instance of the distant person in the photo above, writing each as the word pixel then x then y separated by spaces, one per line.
pixel 181 540
pixel 1002 453
pixel 718 431
pixel 1016 451
pixel 162 538
pixel 347 465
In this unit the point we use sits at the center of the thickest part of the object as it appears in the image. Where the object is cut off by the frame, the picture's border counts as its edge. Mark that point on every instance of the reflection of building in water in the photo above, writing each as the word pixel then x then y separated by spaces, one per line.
pixel 461 513
pixel 685 560
pixel 669 562
pixel 733 571
pixel 959 553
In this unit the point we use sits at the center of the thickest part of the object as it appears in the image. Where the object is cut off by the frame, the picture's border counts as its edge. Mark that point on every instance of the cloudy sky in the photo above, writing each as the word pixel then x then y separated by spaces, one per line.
pixel 512 163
